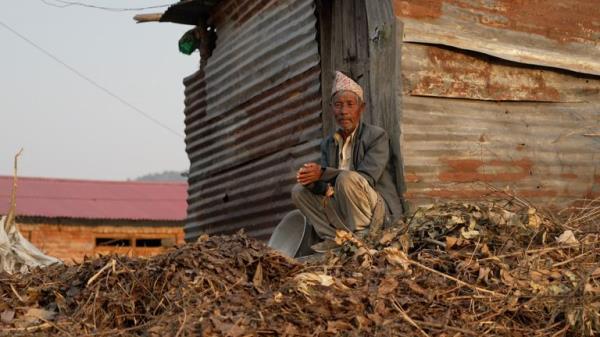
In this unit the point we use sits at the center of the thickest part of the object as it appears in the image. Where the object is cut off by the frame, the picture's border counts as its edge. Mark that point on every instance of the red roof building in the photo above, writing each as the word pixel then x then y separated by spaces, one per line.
pixel 94 199
pixel 70 219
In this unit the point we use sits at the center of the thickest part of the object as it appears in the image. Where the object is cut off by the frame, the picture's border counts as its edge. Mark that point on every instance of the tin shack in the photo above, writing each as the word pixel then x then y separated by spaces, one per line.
pixel 476 95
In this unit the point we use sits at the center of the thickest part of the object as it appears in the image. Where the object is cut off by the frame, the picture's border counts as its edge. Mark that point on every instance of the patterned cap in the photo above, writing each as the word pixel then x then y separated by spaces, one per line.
pixel 345 83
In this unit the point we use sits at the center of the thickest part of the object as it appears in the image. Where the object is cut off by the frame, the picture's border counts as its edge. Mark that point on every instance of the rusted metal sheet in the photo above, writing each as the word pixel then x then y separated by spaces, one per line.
pixel 453 148
pixel 431 70
pixel 562 33
pixel 252 116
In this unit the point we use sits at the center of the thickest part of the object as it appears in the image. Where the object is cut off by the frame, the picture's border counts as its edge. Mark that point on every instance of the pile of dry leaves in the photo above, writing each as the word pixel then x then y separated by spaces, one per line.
pixel 496 268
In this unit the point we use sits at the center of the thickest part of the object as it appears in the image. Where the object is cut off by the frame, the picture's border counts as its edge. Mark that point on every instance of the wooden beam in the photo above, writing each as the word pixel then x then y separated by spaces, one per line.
pixel 150 17
pixel 385 37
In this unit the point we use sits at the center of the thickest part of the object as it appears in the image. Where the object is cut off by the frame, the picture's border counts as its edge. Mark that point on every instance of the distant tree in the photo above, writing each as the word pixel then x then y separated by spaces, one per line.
pixel 164 176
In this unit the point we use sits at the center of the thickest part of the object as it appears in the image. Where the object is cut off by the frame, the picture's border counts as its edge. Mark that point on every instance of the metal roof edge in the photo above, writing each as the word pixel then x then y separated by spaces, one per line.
pixel 188 12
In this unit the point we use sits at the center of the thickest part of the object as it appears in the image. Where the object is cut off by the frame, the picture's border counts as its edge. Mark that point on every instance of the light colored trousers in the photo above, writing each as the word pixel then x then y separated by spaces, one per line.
pixel 350 208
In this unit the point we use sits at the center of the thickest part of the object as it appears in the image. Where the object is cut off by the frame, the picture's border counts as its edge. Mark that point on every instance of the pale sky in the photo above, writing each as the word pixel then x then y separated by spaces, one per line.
pixel 67 127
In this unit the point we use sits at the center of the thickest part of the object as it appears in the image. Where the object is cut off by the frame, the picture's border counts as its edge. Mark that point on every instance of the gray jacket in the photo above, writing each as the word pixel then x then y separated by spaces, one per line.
pixel 371 158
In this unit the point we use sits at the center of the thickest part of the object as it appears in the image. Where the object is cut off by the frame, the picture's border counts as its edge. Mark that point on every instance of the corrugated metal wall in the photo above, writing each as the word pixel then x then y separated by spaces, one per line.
pixel 252 116
pixel 558 33
pixel 453 147
pixel 497 93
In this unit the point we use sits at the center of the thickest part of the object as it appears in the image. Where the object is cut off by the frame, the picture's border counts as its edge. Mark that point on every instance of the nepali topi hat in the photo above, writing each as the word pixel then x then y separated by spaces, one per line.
pixel 345 83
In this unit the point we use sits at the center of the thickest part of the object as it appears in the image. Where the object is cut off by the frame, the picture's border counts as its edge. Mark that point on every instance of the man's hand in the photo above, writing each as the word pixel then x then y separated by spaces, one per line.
pixel 308 173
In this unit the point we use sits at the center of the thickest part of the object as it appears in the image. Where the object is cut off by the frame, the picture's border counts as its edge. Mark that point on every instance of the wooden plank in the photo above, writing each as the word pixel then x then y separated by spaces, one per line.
pixel 383 33
pixel 324 12
pixel 360 66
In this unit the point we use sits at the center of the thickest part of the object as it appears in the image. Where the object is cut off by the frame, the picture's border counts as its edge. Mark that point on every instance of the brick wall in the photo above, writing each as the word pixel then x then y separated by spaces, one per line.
pixel 72 242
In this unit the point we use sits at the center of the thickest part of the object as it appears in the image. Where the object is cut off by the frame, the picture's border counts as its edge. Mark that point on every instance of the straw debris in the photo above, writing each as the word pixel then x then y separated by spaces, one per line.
pixel 500 268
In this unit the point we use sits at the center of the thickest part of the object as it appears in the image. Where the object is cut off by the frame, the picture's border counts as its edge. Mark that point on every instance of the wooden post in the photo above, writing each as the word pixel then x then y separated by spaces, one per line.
pixel 385 34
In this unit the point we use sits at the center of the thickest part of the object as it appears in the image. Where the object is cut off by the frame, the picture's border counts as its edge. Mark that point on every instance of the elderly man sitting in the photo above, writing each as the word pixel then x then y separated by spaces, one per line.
pixel 355 173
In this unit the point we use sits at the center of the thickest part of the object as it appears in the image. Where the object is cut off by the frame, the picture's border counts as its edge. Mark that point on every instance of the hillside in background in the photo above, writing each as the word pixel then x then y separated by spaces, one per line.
pixel 164 176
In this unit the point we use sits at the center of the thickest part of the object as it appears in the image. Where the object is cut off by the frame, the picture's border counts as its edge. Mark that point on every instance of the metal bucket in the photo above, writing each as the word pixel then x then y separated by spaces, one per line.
pixel 293 236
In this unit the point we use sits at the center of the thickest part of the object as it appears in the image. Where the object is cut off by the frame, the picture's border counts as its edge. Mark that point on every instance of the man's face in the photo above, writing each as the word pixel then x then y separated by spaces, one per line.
pixel 347 109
